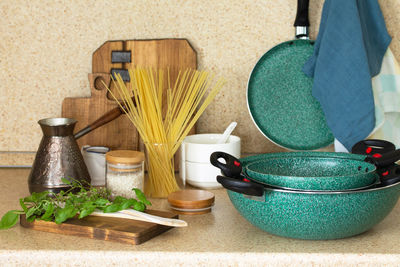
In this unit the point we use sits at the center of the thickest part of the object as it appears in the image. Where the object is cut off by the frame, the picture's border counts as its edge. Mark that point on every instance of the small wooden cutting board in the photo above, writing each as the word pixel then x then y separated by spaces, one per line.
pixel 174 54
pixel 104 228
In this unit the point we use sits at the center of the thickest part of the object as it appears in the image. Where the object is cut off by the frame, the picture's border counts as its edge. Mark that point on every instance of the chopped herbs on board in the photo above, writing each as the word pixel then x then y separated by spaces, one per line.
pixel 49 206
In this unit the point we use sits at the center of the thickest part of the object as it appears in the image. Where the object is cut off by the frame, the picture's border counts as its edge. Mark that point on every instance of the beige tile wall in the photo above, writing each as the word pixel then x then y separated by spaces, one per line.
pixel 46 48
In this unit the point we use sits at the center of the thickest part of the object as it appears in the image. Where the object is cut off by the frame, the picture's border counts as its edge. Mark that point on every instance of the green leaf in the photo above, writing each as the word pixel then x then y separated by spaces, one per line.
pixel 87 204
pixel 31 211
pixel 139 206
pixel 112 208
pixel 9 219
pixel 31 219
pixel 101 202
pixel 128 203
pixel 36 197
pixel 72 195
pixel 119 199
pixel 41 207
pixel 66 181
pixel 63 214
pixel 86 211
pixel 23 206
pixel 141 196
pixel 28 199
pixel 49 212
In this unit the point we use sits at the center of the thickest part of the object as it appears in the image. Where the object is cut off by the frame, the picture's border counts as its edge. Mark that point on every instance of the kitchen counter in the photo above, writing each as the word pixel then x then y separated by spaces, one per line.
pixel 219 238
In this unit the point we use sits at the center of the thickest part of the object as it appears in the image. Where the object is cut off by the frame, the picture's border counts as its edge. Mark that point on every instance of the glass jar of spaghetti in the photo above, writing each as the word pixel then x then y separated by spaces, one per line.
pixel 124 171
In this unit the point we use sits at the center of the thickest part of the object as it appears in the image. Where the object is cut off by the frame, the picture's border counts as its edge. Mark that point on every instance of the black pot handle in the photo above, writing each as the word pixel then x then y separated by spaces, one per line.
pixel 232 168
pixel 390 176
pixel 302 13
pixel 373 147
pixel 385 160
pixel 239 186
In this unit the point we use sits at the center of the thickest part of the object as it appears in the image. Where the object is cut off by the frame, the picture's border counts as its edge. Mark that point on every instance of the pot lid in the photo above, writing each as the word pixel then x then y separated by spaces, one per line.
pixel 124 157
pixel 190 201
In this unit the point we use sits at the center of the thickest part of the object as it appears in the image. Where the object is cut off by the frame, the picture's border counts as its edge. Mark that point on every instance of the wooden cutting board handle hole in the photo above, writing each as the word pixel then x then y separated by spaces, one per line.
pixel 98 83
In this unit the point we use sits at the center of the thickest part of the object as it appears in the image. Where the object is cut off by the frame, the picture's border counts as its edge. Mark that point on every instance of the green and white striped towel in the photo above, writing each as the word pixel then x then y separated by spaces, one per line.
pixel 386 89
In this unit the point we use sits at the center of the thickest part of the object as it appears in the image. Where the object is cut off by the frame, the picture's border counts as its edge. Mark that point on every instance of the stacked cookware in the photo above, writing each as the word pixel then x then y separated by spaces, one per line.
pixel 313 195
pixel 308 194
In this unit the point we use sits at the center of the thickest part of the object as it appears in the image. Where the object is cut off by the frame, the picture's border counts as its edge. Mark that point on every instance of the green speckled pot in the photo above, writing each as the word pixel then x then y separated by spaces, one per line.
pixel 317 216
pixel 312 171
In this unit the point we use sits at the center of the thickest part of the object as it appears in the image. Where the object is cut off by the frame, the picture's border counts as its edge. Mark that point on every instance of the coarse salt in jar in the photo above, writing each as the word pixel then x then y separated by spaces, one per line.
pixel 124 171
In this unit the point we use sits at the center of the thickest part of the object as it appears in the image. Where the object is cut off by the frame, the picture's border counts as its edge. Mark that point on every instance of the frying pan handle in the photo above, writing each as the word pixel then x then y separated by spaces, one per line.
pixel 247 188
pixel 232 167
pixel 385 160
pixel 373 147
pixel 302 14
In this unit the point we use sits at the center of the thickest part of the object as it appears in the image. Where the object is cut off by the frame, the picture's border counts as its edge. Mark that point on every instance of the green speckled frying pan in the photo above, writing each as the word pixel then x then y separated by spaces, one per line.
pixel 279 94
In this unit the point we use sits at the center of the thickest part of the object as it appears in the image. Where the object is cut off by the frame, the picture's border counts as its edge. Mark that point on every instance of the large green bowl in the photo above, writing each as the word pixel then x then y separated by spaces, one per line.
pixel 317 215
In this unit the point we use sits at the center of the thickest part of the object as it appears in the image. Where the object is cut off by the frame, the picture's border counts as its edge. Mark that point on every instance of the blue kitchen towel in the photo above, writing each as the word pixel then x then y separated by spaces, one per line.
pixel 348 52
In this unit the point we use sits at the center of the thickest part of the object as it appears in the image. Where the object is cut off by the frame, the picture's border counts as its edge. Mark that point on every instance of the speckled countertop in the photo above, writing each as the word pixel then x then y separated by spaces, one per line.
pixel 220 238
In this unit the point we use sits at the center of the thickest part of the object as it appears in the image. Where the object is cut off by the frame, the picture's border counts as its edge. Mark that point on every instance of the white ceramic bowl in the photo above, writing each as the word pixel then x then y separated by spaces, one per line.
pixel 199 147
pixel 195 166
pixel 202 175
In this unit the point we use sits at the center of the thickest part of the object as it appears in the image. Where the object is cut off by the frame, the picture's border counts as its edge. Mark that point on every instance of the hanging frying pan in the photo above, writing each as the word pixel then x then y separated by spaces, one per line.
pixel 279 94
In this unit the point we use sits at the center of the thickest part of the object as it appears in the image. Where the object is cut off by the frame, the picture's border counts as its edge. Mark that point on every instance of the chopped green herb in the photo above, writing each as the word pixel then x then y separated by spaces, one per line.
pixel 62 206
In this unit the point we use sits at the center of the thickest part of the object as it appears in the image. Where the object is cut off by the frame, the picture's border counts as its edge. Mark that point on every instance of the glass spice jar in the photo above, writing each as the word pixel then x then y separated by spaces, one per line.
pixel 124 171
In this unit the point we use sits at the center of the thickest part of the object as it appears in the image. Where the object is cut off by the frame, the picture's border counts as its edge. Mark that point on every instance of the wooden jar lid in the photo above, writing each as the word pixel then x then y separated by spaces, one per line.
pixel 191 201
pixel 124 157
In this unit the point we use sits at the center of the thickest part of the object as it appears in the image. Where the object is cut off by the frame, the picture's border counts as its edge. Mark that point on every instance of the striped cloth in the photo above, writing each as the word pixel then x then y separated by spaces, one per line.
pixel 386 89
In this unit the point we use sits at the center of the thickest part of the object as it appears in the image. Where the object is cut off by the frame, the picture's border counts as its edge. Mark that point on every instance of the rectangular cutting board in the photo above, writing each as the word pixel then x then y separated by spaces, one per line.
pixel 174 54
pixel 104 228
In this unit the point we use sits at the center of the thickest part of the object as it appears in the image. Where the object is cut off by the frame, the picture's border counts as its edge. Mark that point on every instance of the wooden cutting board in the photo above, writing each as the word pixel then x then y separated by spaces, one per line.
pixel 174 54
pixel 104 228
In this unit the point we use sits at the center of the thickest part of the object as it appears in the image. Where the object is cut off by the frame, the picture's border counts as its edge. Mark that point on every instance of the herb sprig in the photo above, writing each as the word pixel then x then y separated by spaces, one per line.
pixel 59 207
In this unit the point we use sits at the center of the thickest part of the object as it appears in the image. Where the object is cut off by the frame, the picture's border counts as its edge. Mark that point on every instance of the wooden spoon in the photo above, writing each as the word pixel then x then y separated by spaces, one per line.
pixel 141 216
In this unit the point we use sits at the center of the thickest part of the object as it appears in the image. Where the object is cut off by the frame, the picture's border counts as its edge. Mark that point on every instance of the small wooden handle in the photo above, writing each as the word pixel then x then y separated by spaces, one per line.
pixel 107 117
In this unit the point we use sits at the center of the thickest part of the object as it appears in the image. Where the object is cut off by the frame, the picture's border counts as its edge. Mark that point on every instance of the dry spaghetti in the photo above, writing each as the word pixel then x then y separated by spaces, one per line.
pixel 162 119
